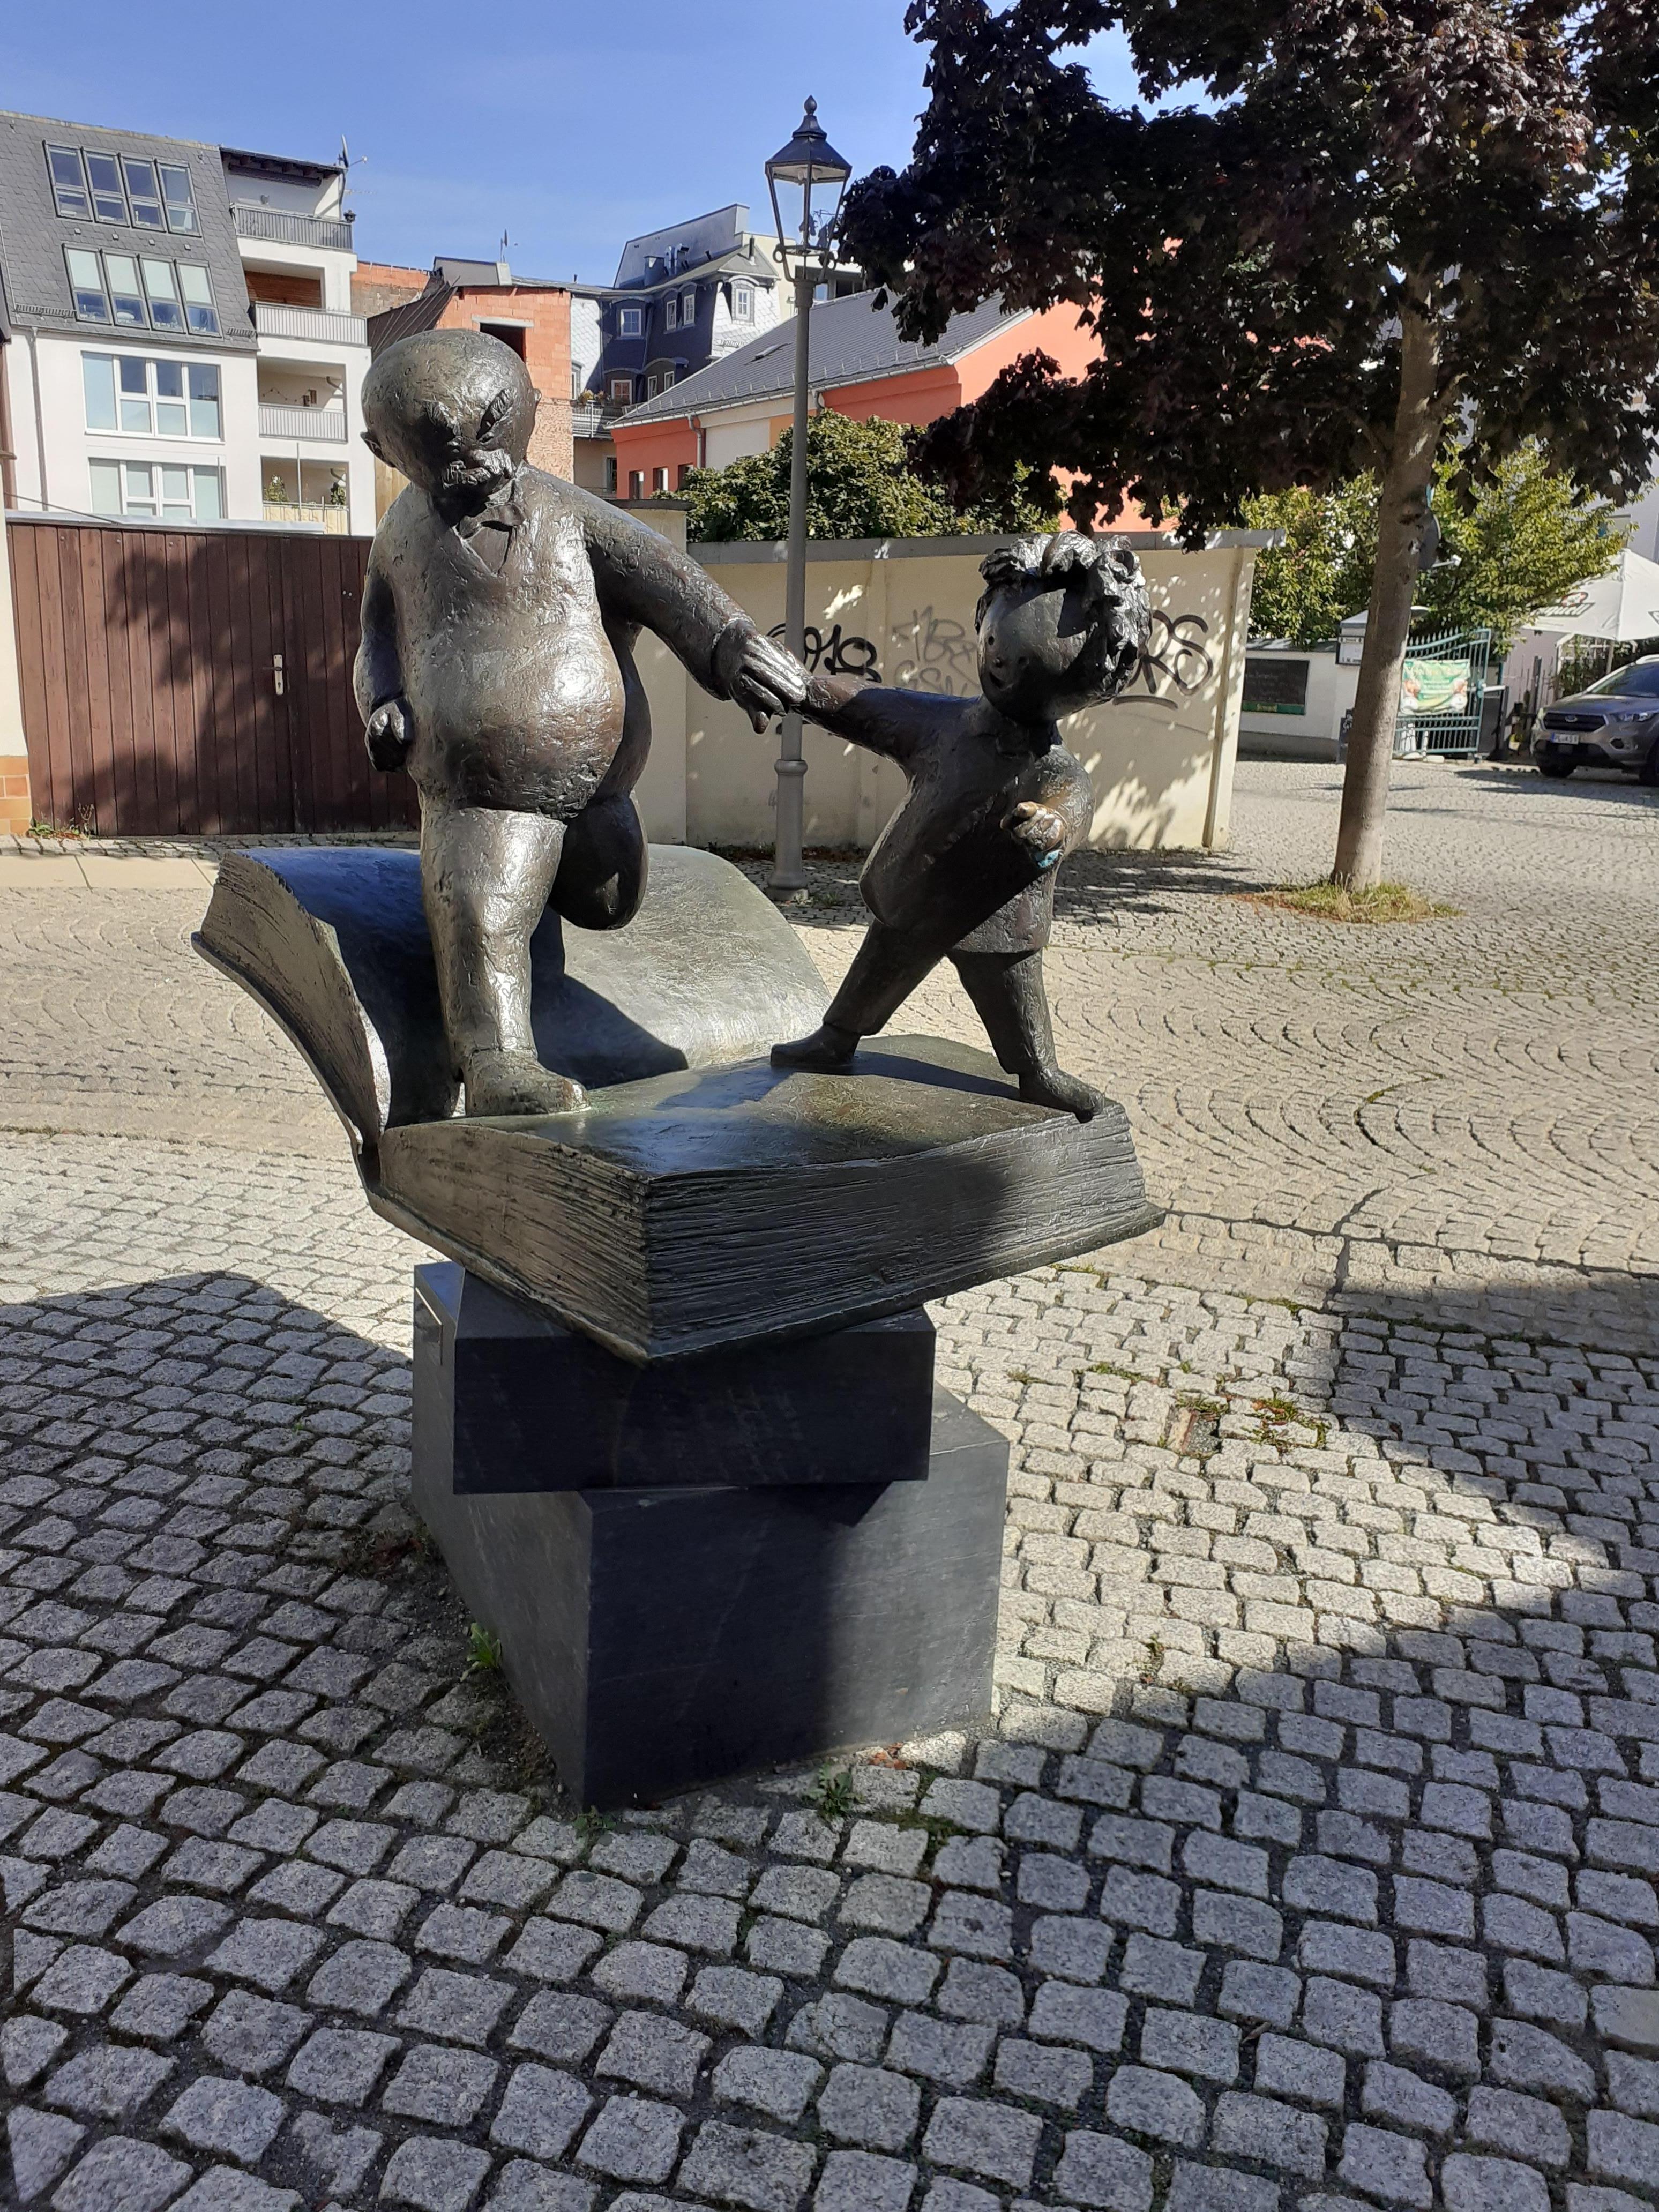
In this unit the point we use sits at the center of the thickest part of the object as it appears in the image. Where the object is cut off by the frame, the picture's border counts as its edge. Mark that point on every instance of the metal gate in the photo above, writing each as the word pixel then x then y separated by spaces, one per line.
pixel 193 682
pixel 1442 689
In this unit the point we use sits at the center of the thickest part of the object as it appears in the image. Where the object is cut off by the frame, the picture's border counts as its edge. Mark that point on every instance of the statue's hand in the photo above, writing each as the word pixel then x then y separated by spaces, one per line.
pixel 759 675
pixel 389 733
pixel 1040 829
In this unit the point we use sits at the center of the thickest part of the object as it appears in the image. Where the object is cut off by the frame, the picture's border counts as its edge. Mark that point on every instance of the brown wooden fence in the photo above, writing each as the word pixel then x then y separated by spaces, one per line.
pixel 193 682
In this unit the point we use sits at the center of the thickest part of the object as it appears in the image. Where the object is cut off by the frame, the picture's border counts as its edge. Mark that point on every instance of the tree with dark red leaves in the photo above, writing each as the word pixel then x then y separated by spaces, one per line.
pixel 1397 229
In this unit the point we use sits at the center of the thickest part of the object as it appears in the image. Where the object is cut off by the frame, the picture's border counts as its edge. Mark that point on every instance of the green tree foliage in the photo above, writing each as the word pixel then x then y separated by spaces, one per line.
pixel 1322 572
pixel 1520 542
pixel 1509 545
pixel 860 484
pixel 1391 227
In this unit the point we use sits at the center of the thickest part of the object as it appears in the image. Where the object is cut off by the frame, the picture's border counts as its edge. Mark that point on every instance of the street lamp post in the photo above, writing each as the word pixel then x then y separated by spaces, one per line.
pixel 810 165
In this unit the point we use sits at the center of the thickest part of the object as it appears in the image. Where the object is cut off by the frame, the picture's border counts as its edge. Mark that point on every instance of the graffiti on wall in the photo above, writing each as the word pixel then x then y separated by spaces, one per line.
pixel 827 653
pixel 1176 655
pixel 936 652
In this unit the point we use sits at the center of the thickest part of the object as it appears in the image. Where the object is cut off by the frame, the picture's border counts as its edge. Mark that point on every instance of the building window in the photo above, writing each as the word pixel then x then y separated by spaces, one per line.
pixel 622 391
pixel 636 483
pixel 85 278
pixel 610 474
pixel 69 183
pixel 743 303
pixel 151 398
pixel 577 379
pixel 172 295
pixel 199 310
pixel 671 313
pixel 688 307
pixel 164 491
pixel 630 322
pixel 658 480
pixel 161 290
pixel 143 193
pixel 179 197
pixel 653 386
pixel 109 201
pixel 126 297
pixel 681 474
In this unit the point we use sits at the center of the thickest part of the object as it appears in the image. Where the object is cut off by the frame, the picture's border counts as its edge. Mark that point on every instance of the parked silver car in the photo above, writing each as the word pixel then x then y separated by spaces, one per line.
pixel 1614 724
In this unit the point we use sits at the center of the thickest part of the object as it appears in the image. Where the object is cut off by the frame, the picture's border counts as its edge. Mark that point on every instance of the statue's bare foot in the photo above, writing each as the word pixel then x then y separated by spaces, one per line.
pixel 827 1047
pixel 517 1082
pixel 1052 1086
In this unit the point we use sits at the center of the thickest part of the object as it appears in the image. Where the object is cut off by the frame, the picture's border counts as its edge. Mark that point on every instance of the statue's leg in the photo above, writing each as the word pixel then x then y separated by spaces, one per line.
pixel 1006 989
pixel 886 968
pixel 485 876
pixel 600 881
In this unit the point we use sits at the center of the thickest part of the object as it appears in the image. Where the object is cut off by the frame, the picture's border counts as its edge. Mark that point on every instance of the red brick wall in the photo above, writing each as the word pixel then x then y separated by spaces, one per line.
pixel 546 345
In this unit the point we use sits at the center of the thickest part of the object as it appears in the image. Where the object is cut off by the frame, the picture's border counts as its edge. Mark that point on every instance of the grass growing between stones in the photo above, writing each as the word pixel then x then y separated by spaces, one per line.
pixel 1329 902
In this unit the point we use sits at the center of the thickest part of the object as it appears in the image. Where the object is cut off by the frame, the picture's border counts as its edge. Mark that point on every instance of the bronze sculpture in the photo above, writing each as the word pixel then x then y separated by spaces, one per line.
pixel 499 617
pixel 965 869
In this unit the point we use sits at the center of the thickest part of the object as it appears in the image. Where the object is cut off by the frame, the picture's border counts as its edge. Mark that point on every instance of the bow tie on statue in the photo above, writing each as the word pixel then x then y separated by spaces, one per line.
pixel 489 531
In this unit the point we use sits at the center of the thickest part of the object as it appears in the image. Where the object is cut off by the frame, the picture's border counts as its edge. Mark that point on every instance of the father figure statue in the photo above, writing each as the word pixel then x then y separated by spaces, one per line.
pixel 499 618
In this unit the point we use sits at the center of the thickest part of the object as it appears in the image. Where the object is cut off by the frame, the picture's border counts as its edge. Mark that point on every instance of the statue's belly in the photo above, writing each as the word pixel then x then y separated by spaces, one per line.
pixel 532 725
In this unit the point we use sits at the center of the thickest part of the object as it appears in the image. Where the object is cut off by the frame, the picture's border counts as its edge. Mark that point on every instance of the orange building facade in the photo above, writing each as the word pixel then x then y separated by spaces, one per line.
pixel 653 455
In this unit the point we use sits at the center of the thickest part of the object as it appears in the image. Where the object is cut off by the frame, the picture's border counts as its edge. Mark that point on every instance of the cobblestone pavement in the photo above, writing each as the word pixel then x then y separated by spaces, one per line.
pixel 1310 1864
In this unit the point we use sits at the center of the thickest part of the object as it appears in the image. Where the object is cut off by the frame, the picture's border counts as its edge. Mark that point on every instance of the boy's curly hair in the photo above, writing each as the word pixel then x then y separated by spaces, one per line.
pixel 1114 596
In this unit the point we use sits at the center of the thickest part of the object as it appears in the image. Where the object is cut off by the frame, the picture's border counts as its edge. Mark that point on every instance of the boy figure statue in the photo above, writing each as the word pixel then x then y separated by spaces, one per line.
pixel 966 867
pixel 499 617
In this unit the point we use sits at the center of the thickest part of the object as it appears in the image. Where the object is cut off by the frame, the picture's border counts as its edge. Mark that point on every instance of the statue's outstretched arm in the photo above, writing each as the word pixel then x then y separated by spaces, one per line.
pixel 642 578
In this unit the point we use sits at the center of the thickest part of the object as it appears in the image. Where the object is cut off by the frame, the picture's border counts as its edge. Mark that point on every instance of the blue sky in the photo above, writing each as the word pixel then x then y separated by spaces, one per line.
pixel 569 123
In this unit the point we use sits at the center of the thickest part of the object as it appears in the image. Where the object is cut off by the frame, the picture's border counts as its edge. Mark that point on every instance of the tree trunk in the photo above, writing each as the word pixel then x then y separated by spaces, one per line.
pixel 1402 512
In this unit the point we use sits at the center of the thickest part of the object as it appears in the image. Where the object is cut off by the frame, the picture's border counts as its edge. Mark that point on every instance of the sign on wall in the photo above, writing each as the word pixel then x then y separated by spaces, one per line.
pixel 1274 685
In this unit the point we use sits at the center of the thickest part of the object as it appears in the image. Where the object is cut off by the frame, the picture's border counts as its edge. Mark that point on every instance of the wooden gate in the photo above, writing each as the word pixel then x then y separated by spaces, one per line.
pixel 193 682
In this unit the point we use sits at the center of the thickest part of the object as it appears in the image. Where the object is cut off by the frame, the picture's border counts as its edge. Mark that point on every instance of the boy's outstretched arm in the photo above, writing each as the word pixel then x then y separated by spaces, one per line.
pixel 642 578
pixel 877 716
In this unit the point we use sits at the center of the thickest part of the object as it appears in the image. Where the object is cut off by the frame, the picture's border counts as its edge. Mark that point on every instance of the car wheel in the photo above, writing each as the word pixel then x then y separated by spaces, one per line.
pixel 1648 771
pixel 1555 766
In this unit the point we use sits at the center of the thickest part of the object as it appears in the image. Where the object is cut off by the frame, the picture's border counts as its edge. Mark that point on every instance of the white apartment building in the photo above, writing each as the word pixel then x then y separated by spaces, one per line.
pixel 178 341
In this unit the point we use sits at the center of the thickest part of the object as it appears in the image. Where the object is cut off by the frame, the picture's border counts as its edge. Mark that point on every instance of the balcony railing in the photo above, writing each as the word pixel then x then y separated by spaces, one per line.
pixel 590 422
pixel 273 321
pixel 327 423
pixel 314 513
pixel 280 229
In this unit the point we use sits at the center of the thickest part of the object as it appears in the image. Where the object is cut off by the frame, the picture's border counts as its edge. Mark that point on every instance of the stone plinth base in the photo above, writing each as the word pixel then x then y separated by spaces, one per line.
pixel 662 1638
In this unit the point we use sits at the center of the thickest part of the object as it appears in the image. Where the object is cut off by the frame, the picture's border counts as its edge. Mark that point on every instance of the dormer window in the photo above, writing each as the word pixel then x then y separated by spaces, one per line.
pixel 630 322
pixel 688 307
pixel 671 313
pixel 143 193
pixel 743 303
pixel 69 183
pixel 109 201
pixel 178 197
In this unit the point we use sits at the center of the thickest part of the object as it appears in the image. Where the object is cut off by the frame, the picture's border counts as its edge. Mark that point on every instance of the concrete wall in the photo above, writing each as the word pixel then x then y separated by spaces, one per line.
pixel 1161 757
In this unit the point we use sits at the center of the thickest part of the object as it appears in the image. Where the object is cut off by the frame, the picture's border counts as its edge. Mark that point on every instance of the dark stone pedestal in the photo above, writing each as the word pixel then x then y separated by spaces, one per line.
pixel 530 1404
pixel 661 1637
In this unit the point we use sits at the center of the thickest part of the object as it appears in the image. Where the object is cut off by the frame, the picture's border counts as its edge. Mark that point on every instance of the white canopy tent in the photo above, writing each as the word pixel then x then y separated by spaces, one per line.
pixel 1621 606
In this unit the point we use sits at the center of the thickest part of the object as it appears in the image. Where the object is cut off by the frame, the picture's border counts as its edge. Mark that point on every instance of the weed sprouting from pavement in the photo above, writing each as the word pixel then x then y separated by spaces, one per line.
pixel 831 1795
